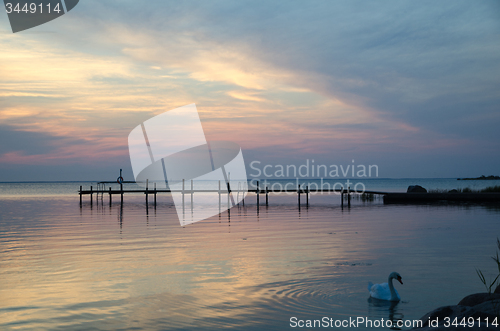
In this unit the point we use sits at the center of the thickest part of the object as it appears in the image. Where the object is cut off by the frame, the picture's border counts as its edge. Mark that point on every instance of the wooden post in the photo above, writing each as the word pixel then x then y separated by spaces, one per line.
pixel 110 196
pixel 80 196
pixel 307 196
pixel 219 198
pixel 243 196
pixel 155 195
pixel 121 193
pixel 258 191
pixel 349 196
pixel 298 194
pixel 183 209
pixel 228 197
pixel 146 192
pixel 267 196
pixel 342 197
pixel 91 195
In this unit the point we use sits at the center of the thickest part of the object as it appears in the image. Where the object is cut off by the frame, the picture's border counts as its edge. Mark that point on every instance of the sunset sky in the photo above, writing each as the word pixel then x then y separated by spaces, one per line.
pixel 413 87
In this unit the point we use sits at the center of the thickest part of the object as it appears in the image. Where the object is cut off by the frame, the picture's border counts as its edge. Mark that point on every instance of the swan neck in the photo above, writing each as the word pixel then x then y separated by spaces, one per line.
pixel 391 287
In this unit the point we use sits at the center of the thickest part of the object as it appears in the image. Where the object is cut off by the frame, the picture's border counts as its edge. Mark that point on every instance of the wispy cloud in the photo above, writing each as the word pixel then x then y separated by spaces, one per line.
pixel 396 77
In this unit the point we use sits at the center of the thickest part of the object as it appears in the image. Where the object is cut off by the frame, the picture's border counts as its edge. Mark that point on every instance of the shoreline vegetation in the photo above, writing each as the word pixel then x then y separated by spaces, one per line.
pixel 418 194
pixel 483 177
pixel 489 189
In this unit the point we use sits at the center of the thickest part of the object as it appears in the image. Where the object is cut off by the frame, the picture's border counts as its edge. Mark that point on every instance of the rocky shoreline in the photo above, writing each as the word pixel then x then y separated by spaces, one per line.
pixel 479 307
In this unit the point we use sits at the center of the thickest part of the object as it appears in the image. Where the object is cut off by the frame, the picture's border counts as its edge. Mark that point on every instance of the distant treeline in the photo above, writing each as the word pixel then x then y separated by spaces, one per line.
pixel 483 177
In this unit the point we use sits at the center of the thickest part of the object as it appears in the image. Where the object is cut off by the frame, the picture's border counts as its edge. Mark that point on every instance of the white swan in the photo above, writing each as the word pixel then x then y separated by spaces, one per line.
pixel 385 291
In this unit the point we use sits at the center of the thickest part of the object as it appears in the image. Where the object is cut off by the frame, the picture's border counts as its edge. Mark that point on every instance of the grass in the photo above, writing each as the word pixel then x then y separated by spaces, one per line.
pixel 490 189
pixel 489 285
pixel 367 197
pixel 496 281
pixel 458 190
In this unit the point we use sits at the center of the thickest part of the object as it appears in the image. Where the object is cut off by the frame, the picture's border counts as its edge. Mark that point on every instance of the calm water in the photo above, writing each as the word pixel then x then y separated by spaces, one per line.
pixel 109 268
pixel 38 189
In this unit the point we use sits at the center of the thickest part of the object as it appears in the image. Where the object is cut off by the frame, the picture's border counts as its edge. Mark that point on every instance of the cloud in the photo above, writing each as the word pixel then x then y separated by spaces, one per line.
pixel 391 77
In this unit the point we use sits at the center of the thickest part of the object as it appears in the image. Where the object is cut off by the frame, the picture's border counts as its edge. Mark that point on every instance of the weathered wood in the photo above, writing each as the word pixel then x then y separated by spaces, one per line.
pixel 257 191
pixel 298 194
pixel 349 196
pixel 267 196
pixel 307 196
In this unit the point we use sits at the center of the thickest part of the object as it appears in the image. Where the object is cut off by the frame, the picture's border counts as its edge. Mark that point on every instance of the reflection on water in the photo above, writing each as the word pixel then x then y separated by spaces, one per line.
pixel 116 267
pixel 378 307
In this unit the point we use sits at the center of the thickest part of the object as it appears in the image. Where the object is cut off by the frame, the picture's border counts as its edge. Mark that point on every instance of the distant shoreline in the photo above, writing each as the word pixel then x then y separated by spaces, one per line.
pixel 482 178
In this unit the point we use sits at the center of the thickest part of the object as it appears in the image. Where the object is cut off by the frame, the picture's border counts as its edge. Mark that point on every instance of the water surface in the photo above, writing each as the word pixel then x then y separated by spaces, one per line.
pixel 106 268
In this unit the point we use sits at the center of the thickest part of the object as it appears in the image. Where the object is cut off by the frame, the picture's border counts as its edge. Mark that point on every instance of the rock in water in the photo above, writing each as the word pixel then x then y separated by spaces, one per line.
pixel 479 305
pixel 478 298
pixel 416 189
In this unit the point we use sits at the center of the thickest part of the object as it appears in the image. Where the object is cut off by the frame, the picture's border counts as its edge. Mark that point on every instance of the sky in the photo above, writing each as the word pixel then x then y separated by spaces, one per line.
pixel 410 86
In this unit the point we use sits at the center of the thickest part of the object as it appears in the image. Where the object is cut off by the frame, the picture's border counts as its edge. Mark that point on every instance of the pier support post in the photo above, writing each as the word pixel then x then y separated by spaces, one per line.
pixel 267 196
pixel 146 192
pixel 342 198
pixel 258 191
pixel 91 196
pixel 228 197
pixel 110 196
pixel 155 195
pixel 307 196
pixel 298 195
pixel 349 197
pixel 219 199
pixel 258 203
pixel 80 196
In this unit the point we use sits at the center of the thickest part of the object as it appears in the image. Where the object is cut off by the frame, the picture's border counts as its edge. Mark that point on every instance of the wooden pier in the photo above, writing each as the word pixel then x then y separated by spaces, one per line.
pixel 345 194
pixel 222 190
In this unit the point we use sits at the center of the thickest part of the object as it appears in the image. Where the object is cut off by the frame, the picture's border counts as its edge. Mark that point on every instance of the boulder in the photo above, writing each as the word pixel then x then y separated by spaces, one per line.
pixel 479 305
pixel 478 298
pixel 416 189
